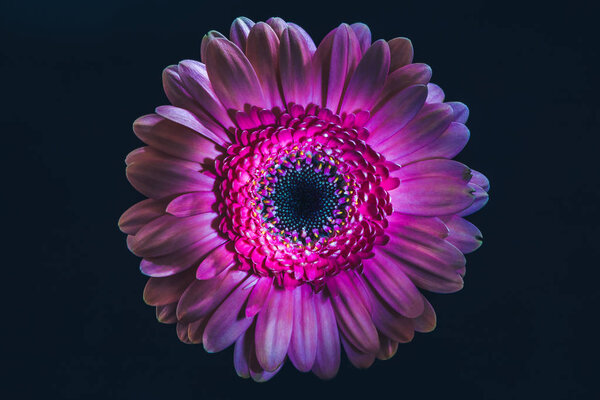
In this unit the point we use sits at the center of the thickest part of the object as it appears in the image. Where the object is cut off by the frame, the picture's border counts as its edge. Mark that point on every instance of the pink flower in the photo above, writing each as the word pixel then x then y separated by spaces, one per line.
pixel 300 196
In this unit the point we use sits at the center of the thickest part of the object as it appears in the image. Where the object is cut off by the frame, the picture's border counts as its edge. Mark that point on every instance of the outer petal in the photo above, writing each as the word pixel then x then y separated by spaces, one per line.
pixel 363 34
pixel 463 234
pixel 240 28
pixel 389 322
pixel 368 79
pixel 356 357
pixel 192 203
pixel 426 322
pixel 262 50
pixel 259 295
pixel 303 345
pixel 190 120
pixel 295 66
pixel 163 291
pixel 232 76
pixel 447 145
pixel 274 328
pixel 219 259
pixel 327 360
pixel 309 42
pixel 140 214
pixel 397 81
pixel 402 52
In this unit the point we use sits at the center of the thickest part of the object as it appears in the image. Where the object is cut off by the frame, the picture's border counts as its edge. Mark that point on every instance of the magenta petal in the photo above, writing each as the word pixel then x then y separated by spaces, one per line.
pixel 447 145
pixel 327 359
pixel 397 81
pixel 166 314
pixel 480 199
pixel 401 51
pixel 356 357
pixel 295 67
pixel 207 39
pixel 228 322
pixel 463 234
pixel 162 291
pixel 461 111
pixel 243 345
pixel 274 328
pixel 181 259
pixel 430 225
pixel 352 314
pixel 334 62
pixel 192 203
pixel 307 39
pixel 303 344
pixel 240 28
pixel 262 51
pixel 191 121
pixel 368 78
pixel 202 297
pixel 175 139
pixel 218 259
pixel 259 295
pixel 424 128
pixel 195 78
pixel 480 180
pixel 232 76
pixel 166 234
pixel 394 287
pixel 389 322
pixel 277 24
pixel 435 94
pixel 363 34
pixel 426 322
pixel 140 214
pixel 396 113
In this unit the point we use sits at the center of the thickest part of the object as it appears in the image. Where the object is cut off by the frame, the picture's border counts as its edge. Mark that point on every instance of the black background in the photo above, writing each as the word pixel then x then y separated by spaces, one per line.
pixel 76 74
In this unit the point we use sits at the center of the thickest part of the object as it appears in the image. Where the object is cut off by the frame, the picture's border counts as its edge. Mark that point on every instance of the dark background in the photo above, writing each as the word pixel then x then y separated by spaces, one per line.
pixel 76 74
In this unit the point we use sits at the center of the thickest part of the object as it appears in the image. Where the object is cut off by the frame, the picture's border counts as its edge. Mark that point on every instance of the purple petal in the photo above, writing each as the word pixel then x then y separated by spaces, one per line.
pixel 274 328
pixel 166 234
pixel 202 297
pixel 461 111
pixel 480 180
pixel 426 322
pixel 435 94
pixel 447 145
pixel 424 128
pixel 219 259
pixel 431 226
pixel 463 234
pixel 303 344
pixel 352 315
pixel 357 358
pixel 260 293
pixel 182 333
pixel 397 81
pixel 196 330
pixel 211 35
pixel 295 67
pixel 480 199
pixel 389 322
pixel 309 41
pixel 368 78
pixel 327 359
pixel 396 113
pixel 240 28
pixel 232 76
pixel 192 204
pixel 394 287
pixel 166 314
pixel 191 121
pixel 277 24
pixel 181 259
pixel 401 50
pixel 363 34
pixel 140 214
pixel 262 52
pixel 228 322
pixel 163 291
pixel 241 352
pixel 387 348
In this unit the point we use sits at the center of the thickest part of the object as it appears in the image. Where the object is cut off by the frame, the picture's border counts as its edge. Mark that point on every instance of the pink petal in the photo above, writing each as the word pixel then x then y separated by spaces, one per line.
pixel 192 203
pixel 426 322
pixel 352 315
pixel 397 81
pixel 463 234
pixel 295 67
pixel 181 259
pixel 260 293
pixel 424 128
pixel 240 28
pixel 394 287
pixel 191 121
pixel 432 226
pixel 357 358
pixel 447 145
pixel 228 322
pixel 387 348
pixel 211 35
pixel 327 359
pixel 307 39
pixel 396 113
pixel 262 51
pixel 461 111
pixel 167 234
pixel 274 328
pixel 277 24
pixel 163 291
pixel 480 199
pixel 303 345
pixel 241 353
pixel 389 322
pixel 232 76
pixel 140 214
pixel 334 62
pixel 368 78
pixel 401 50
pixel 218 259
pixel 182 333
pixel 363 34
pixel 195 78
pixel 202 297
pixel 435 94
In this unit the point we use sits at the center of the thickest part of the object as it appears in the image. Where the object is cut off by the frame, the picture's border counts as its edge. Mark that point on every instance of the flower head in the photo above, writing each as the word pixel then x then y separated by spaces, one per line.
pixel 300 196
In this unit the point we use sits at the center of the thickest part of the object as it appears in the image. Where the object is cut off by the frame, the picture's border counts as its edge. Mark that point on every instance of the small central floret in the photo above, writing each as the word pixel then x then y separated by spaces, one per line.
pixel 304 197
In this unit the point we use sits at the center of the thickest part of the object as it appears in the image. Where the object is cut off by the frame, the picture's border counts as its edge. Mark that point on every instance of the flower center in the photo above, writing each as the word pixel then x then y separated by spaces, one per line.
pixel 304 197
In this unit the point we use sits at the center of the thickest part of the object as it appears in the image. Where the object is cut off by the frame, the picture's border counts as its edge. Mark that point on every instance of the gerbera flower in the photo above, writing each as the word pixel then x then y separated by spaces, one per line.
pixel 300 196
